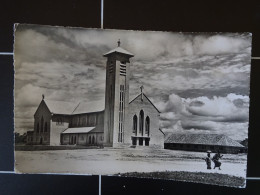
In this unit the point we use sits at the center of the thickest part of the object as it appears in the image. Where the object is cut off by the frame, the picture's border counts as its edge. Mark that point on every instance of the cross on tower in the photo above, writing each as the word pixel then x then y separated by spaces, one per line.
pixel 118 42
pixel 142 87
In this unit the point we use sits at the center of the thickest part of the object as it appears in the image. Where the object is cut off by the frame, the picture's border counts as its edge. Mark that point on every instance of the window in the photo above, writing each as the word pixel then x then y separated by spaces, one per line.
pixel 135 124
pixel 78 120
pixel 45 127
pixel 97 118
pixel 82 121
pixel 38 128
pixel 75 120
pixel 147 125
pixel 141 122
pixel 111 67
pixel 89 140
pixel 123 69
pixel 42 121
pixel 92 119
pixel 121 113
pixel 86 120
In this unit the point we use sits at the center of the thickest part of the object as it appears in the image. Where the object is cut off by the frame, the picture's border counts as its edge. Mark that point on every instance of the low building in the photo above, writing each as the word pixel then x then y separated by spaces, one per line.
pixel 202 143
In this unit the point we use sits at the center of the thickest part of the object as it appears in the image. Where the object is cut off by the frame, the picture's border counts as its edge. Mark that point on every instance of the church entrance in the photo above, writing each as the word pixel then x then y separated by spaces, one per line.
pixel 134 140
pixel 146 142
pixel 140 141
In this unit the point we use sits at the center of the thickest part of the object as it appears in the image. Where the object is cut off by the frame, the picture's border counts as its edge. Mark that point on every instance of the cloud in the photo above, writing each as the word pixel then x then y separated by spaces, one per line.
pixel 25 97
pixel 216 107
pixel 225 115
pixel 219 44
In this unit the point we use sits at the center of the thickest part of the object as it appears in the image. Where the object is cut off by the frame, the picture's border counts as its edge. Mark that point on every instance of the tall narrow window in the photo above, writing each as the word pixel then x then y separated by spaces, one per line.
pixel 42 124
pixel 38 128
pixel 82 121
pixel 121 113
pixel 86 120
pixel 92 119
pixel 78 120
pixel 147 125
pixel 141 122
pixel 135 124
pixel 45 127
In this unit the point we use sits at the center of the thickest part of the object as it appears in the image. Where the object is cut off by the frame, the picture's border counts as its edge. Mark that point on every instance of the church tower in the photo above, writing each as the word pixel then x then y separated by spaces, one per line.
pixel 117 95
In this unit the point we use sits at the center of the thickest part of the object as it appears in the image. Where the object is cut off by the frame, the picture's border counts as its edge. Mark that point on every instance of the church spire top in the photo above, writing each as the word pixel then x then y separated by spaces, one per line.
pixel 118 43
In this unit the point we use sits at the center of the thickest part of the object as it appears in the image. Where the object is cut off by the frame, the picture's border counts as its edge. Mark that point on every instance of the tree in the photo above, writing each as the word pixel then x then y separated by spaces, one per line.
pixel 244 142
pixel 20 138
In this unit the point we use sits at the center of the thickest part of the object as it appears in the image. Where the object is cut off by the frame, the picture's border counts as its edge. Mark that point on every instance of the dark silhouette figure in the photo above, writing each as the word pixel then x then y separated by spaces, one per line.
pixel 215 159
pixel 208 161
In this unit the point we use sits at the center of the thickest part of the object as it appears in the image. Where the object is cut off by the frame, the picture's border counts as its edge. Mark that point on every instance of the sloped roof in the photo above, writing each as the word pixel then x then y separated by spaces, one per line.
pixel 203 139
pixel 86 107
pixel 78 130
pixel 147 99
pixel 119 50
pixel 60 107
pixel 97 130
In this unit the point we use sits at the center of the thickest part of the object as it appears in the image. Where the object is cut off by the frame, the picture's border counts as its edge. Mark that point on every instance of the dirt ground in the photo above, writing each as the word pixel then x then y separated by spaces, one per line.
pixel 110 161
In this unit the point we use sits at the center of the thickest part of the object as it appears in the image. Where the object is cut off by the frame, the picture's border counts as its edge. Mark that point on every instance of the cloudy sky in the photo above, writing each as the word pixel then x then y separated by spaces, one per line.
pixel 199 81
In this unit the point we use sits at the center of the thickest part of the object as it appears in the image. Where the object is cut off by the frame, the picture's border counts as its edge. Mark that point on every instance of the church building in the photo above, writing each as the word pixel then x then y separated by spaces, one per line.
pixel 115 122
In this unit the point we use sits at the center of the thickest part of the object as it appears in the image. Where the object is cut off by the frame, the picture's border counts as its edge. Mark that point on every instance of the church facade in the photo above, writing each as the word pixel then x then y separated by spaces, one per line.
pixel 114 123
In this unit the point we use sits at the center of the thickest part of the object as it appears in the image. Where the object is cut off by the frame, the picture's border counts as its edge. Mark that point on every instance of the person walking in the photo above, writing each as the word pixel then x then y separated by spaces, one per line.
pixel 216 158
pixel 208 160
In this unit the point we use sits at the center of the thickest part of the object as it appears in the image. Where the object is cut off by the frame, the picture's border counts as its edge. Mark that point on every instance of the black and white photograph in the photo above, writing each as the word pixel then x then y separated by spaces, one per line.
pixel 146 104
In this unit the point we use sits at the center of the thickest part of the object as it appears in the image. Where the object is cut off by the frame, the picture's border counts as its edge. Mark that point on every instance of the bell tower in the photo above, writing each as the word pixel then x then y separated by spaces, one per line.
pixel 117 95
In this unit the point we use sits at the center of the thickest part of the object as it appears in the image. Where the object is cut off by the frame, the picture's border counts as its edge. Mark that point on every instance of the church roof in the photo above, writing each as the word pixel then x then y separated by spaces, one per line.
pixel 147 99
pixel 94 106
pixel 203 139
pixel 119 50
pixel 78 130
pixel 62 107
